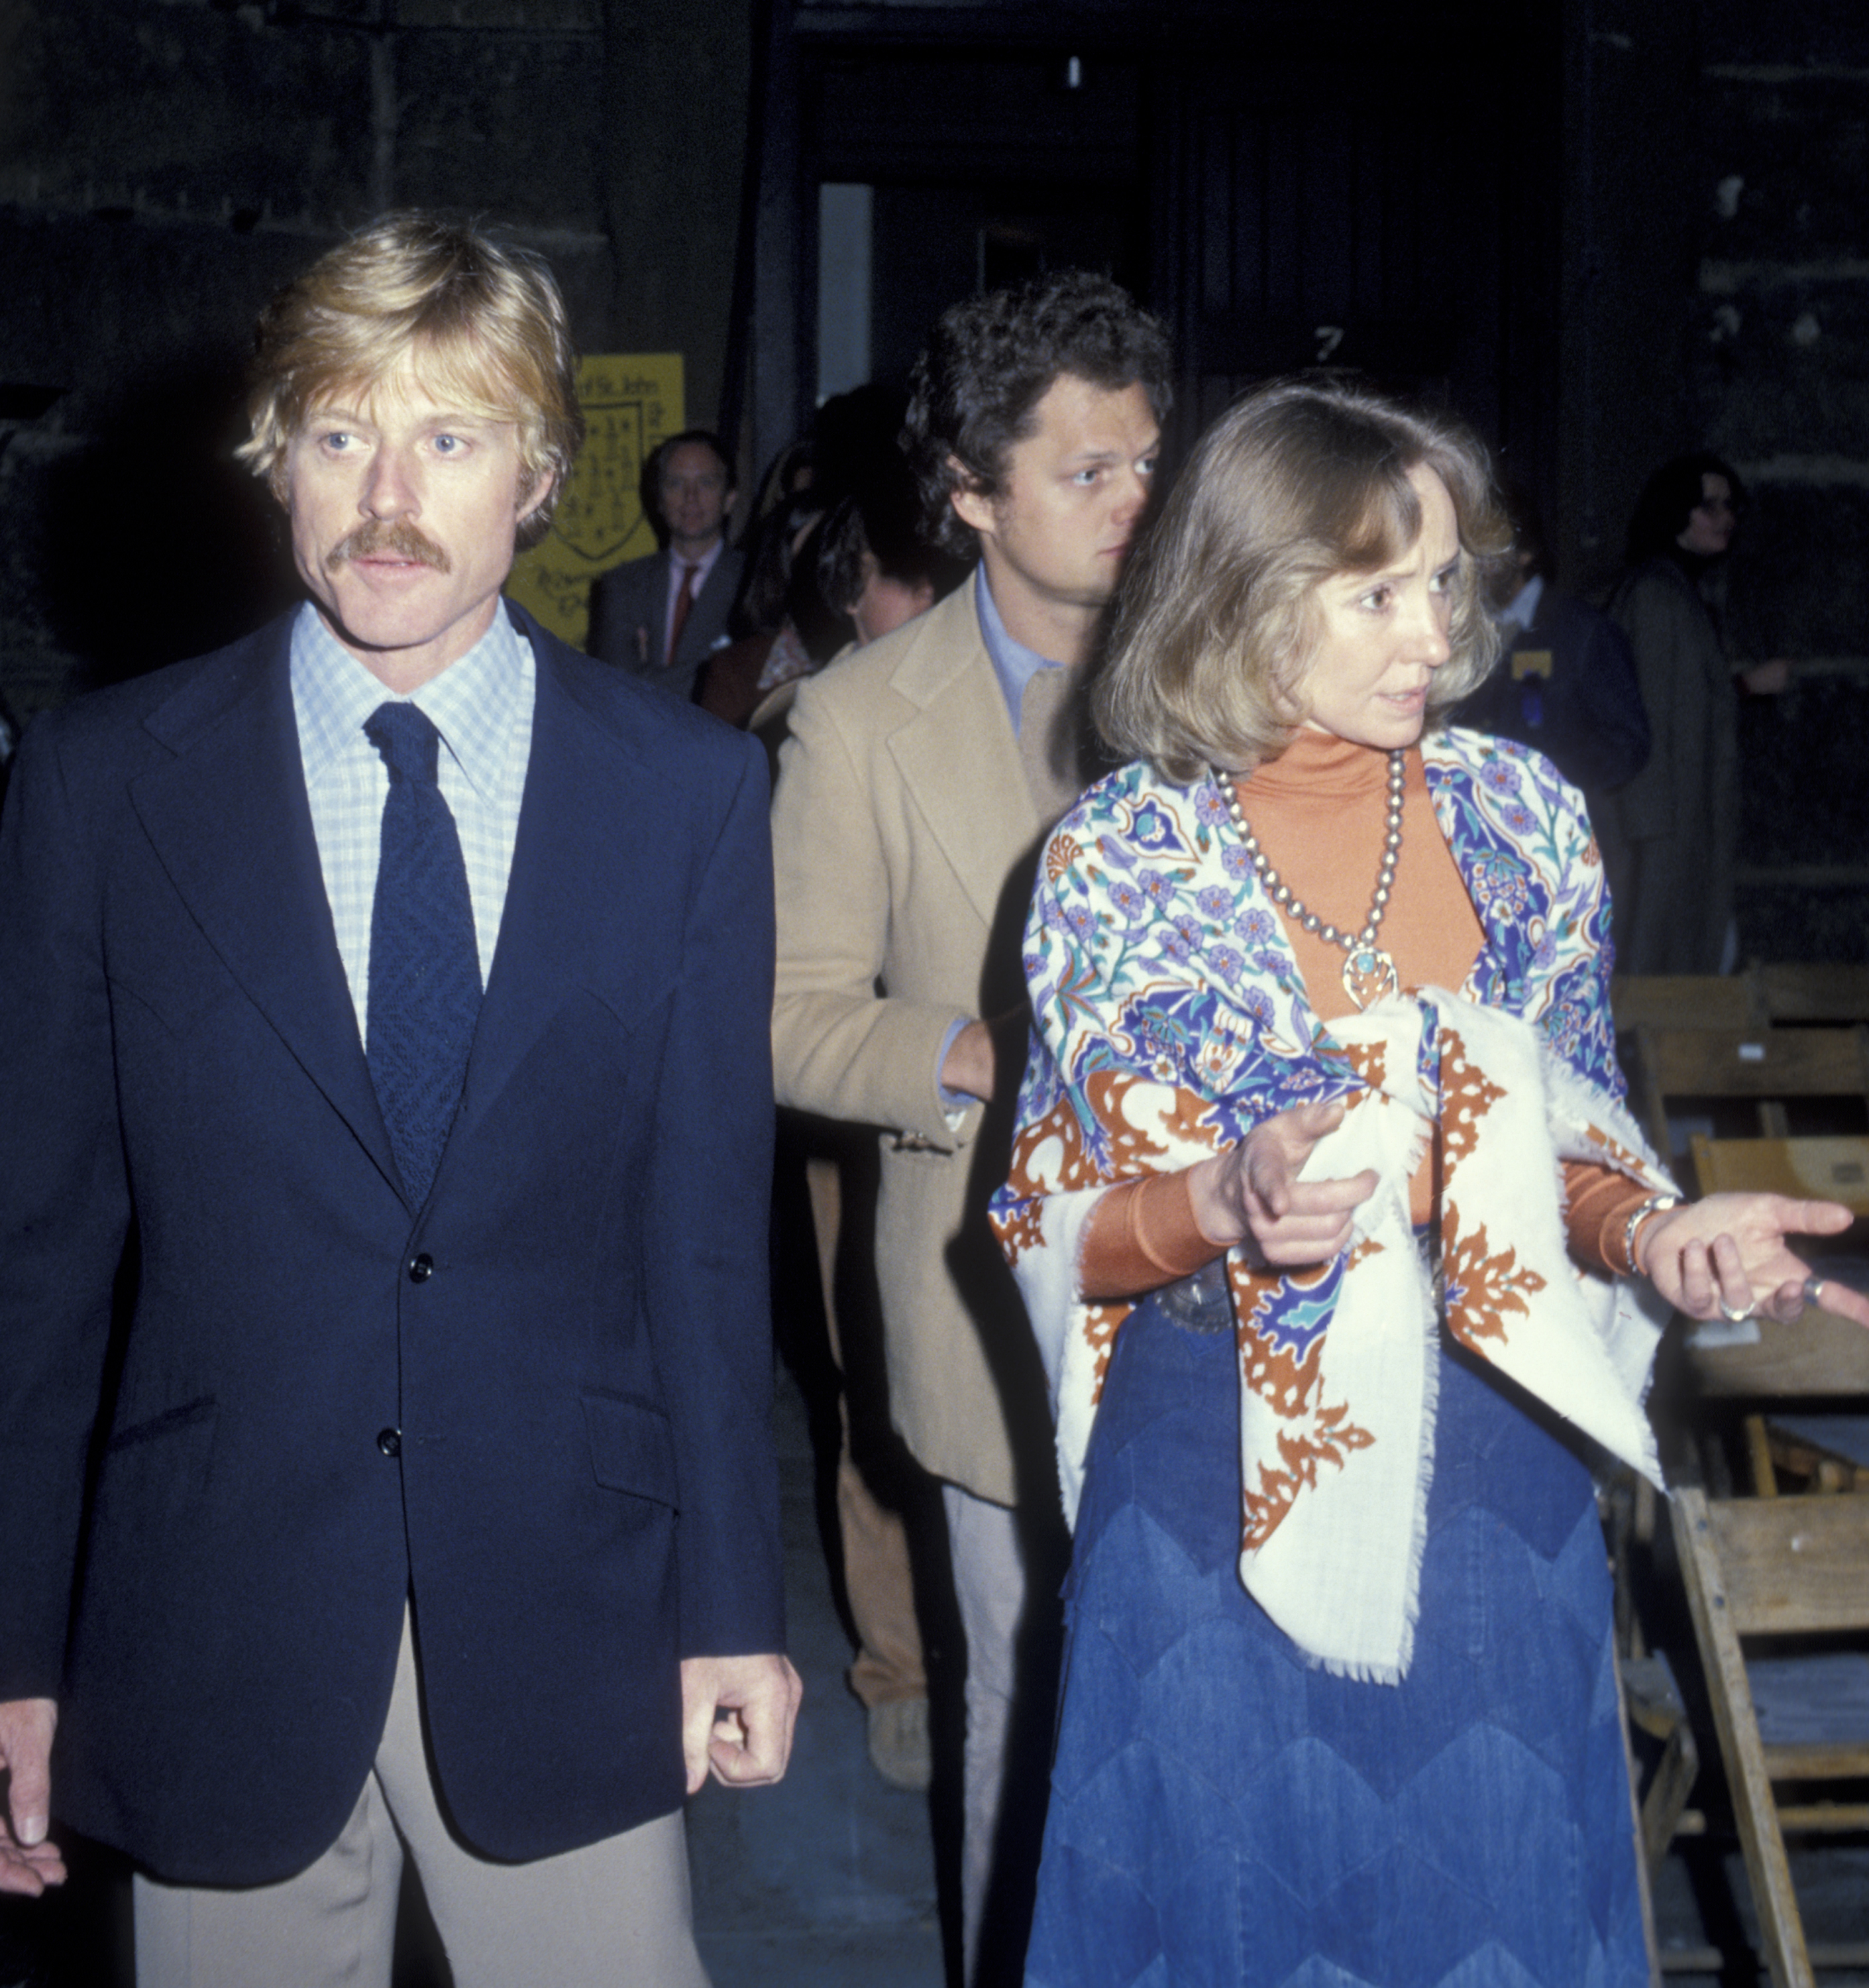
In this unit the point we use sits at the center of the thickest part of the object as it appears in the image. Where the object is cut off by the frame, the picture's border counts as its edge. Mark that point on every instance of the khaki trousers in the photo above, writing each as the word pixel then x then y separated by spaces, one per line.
pixel 1008 1567
pixel 615 1914
pixel 876 1565
pixel 989 1584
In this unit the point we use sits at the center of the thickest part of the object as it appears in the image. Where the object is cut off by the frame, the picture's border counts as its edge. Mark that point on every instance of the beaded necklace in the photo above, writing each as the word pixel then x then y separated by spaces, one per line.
pixel 1369 973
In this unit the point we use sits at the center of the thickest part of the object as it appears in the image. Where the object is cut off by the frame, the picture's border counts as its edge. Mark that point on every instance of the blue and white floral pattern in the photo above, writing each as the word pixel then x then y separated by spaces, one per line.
pixel 1170 1018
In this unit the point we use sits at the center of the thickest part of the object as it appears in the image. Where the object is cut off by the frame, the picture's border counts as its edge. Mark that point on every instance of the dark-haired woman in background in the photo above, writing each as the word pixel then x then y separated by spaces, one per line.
pixel 1672 834
pixel 1321 1024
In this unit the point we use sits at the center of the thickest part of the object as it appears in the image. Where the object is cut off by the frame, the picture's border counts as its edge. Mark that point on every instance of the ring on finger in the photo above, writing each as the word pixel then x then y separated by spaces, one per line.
pixel 1733 1314
pixel 1812 1286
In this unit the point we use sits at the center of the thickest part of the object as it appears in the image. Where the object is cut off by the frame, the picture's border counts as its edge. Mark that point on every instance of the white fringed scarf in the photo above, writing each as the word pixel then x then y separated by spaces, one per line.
pixel 1338 1367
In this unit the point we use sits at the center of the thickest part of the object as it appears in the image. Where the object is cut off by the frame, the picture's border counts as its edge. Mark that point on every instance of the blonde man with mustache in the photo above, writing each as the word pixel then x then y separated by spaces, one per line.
pixel 386 1001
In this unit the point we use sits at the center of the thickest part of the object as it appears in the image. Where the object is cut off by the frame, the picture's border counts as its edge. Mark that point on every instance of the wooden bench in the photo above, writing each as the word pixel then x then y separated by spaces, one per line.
pixel 1764 1066
pixel 1790 991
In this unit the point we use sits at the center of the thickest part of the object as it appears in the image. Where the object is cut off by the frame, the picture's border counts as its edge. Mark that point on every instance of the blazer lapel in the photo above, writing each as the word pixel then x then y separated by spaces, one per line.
pixel 958 756
pixel 708 617
pixel 229 820
pixel 655 609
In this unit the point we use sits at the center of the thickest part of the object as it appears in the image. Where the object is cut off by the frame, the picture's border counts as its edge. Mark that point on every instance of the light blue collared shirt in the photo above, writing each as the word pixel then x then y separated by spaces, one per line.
pixel 1014 664
pixel 482 704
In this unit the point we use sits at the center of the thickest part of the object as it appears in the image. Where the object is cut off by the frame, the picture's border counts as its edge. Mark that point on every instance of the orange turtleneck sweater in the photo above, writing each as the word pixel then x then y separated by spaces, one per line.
pixel 1319 812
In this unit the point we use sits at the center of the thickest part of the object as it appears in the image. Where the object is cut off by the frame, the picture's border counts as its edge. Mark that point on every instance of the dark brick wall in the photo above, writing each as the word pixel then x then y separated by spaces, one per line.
pixel 1717 294
pixel 1778 381
pixel 165 164
pixel 127 534
pixel 1632 188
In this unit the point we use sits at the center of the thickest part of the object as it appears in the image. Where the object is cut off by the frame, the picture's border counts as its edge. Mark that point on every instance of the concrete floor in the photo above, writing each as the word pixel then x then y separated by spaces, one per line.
pixel 830 1877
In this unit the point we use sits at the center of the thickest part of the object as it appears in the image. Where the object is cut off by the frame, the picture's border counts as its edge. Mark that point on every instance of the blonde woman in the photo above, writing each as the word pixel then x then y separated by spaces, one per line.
pixel 1345 1259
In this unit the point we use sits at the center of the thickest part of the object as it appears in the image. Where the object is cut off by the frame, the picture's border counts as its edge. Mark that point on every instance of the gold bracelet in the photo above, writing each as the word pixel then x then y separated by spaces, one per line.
pixel 1656 1204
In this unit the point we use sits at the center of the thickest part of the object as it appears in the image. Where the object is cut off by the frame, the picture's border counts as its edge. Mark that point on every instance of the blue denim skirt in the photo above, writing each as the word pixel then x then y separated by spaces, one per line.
pixel 1223 1814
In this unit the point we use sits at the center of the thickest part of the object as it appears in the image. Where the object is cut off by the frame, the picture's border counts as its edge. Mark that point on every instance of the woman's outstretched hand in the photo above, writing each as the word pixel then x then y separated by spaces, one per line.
pixel 1726 1256
pixel 1252 1194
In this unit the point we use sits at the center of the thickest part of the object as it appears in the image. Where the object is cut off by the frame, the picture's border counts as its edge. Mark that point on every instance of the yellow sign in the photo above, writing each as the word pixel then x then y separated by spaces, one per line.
pixel 631 401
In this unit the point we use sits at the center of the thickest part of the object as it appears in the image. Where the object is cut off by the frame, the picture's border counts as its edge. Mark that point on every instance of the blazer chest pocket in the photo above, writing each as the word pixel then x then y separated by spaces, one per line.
pixel 631 998
pixel 632 1448
pixel 184 990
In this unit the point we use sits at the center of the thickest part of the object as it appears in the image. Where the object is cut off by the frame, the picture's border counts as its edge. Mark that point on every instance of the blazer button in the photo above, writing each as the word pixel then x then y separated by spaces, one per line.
pixel 421 1269
pixel 389 1441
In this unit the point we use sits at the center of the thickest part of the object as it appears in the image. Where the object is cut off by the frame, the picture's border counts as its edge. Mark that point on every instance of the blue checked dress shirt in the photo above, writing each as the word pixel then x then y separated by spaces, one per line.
pixel 482 706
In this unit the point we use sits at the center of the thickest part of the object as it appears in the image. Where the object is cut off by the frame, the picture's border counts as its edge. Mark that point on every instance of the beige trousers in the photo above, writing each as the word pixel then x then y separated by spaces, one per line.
pixel 876 1564
pixel 989 1585
pixel 616 1913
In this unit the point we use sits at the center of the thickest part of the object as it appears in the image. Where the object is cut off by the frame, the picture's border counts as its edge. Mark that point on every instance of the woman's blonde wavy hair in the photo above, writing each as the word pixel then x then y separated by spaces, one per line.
pixel 1303 478
pixel 484 326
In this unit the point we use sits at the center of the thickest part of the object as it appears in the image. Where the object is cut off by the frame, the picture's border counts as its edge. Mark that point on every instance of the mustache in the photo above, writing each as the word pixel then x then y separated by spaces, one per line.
pixel 395 536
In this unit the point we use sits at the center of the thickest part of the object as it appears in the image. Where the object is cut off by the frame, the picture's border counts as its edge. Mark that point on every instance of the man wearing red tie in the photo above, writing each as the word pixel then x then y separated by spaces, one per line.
pixel 660 616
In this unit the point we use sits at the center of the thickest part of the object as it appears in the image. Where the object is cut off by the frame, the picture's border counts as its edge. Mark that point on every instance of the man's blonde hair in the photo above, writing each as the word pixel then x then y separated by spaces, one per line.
pixel 1219 620
pixel 484 327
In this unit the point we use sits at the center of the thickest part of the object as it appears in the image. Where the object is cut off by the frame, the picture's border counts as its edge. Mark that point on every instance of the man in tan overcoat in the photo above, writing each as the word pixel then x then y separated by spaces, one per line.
pixel 920 775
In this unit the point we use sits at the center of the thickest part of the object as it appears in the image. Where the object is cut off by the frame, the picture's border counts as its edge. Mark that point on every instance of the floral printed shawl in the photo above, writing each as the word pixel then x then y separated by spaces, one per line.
pixel 1170 1018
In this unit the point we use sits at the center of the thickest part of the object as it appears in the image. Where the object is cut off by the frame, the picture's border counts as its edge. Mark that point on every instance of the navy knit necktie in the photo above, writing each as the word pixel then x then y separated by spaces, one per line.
pixel 424 966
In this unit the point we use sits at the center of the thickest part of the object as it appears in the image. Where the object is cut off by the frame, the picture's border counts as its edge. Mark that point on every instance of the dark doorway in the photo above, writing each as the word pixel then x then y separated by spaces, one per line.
pixel 1334 185
pixel 985 166
pixel 934 244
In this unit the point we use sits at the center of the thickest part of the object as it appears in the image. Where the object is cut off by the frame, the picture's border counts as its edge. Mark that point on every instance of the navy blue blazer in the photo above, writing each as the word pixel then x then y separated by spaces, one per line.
pixel 572 1337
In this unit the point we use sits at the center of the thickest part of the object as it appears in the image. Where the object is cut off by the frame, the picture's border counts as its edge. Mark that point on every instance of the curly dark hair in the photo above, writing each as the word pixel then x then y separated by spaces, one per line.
pixel 975 391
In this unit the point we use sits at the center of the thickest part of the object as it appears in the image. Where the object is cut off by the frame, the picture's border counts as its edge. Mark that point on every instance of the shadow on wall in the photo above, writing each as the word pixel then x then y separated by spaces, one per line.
pixel 156 544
